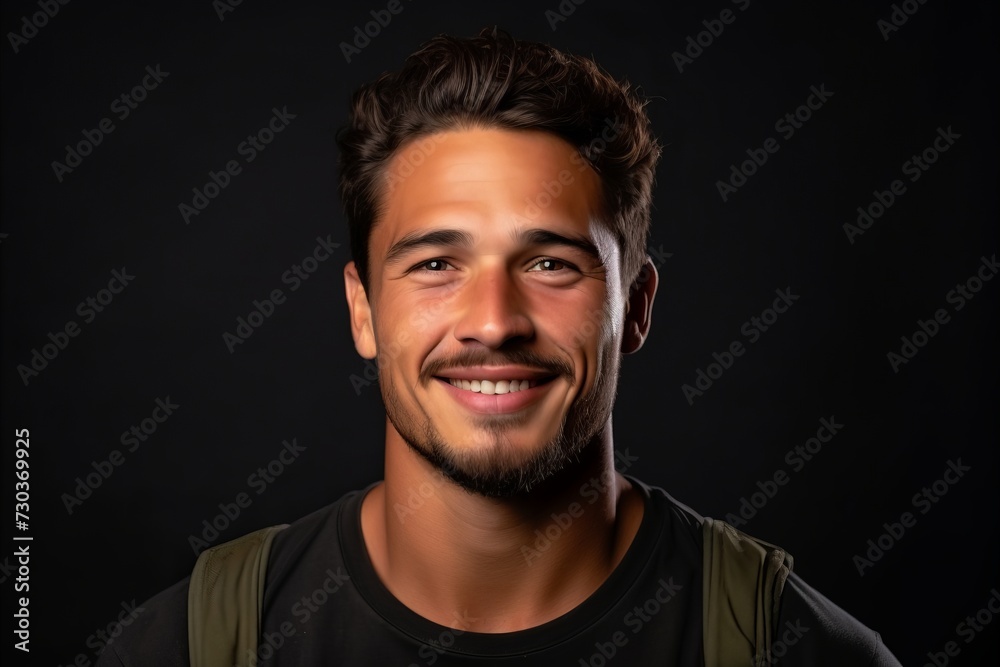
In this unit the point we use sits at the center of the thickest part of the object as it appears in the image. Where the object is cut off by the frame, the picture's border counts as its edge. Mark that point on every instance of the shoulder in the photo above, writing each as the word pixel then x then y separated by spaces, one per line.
pixel 814 631
pixel 157 635
pixel 811 629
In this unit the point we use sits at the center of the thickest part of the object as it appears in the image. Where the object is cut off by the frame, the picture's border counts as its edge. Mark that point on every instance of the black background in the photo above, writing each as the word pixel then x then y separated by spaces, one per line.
pixel 162 336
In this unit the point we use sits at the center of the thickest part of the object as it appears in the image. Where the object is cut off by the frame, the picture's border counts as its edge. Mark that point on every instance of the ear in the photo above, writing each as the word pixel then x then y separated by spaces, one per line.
pixel 362 327
pixel 639 308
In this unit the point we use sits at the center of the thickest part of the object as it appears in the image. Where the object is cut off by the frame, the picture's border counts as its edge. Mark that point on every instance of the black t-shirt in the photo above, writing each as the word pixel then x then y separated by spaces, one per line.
pixel 325 605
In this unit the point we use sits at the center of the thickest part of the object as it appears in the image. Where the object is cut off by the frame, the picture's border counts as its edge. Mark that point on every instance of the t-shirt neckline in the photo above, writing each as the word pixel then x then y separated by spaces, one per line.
pixel 564 628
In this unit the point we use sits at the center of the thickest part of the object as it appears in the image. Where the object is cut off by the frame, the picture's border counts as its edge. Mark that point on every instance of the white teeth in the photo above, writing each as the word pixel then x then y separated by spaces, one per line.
pixel 491 388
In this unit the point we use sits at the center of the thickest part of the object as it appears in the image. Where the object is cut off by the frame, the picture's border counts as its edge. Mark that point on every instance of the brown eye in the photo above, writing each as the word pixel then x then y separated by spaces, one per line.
pixel 549 264
pixel 433 265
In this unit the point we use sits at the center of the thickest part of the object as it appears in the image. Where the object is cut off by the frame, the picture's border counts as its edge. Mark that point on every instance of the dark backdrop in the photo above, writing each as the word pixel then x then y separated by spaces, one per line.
pixel 887 93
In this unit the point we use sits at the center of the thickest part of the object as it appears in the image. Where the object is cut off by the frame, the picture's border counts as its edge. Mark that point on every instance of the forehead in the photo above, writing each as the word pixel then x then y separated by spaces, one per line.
pixel 484 181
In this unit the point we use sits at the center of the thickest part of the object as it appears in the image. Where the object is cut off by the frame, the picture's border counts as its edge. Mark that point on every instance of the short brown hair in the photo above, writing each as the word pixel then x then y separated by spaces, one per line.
pixel 495 81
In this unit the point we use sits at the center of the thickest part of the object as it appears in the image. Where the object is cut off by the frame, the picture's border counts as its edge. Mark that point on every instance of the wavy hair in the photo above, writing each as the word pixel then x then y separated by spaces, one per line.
pixel 495 81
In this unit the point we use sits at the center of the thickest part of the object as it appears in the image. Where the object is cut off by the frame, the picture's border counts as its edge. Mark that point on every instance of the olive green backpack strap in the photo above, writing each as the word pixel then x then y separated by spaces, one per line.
pixel 225 598
pixel 743 580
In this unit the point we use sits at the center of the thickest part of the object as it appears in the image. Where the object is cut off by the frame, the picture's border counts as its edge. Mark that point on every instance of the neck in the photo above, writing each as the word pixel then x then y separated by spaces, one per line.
pixel 498 565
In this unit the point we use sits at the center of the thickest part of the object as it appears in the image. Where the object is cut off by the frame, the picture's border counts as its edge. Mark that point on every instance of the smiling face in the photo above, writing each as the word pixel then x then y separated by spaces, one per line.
pixel 494 306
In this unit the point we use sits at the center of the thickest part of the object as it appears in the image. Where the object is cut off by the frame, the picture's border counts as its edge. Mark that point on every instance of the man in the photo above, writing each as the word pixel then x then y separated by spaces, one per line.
pixel 498 195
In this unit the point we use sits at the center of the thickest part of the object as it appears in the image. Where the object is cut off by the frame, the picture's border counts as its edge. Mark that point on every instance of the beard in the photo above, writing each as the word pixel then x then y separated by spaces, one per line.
pixel 497 469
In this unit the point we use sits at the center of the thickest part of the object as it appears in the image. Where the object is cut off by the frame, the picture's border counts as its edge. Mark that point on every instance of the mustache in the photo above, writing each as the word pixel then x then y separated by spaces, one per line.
pixel 551 365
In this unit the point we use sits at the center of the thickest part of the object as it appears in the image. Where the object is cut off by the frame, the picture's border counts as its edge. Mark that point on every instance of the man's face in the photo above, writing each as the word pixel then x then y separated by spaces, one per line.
pixel 494 307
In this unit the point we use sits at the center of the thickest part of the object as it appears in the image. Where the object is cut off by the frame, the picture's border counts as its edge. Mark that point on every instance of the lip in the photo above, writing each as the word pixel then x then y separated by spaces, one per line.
pixel 496 403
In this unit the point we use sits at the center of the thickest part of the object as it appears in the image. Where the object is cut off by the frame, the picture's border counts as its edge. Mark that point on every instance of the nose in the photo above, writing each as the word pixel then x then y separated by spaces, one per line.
pixel 493 309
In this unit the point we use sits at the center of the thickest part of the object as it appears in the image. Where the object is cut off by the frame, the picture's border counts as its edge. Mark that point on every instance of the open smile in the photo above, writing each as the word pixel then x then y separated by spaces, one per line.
pixel 496 396
pixel 490 388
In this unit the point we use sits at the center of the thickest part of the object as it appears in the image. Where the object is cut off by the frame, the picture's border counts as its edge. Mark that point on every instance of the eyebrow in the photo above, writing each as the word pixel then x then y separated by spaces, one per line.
pixel 437 237
pixel 548 237
pixel 462 239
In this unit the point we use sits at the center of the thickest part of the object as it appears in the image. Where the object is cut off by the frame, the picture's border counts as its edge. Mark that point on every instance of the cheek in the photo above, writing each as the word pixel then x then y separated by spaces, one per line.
pixel 425 308
pixel 408 328
pixel 423 315
pixel 578 327
pixel 585 334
